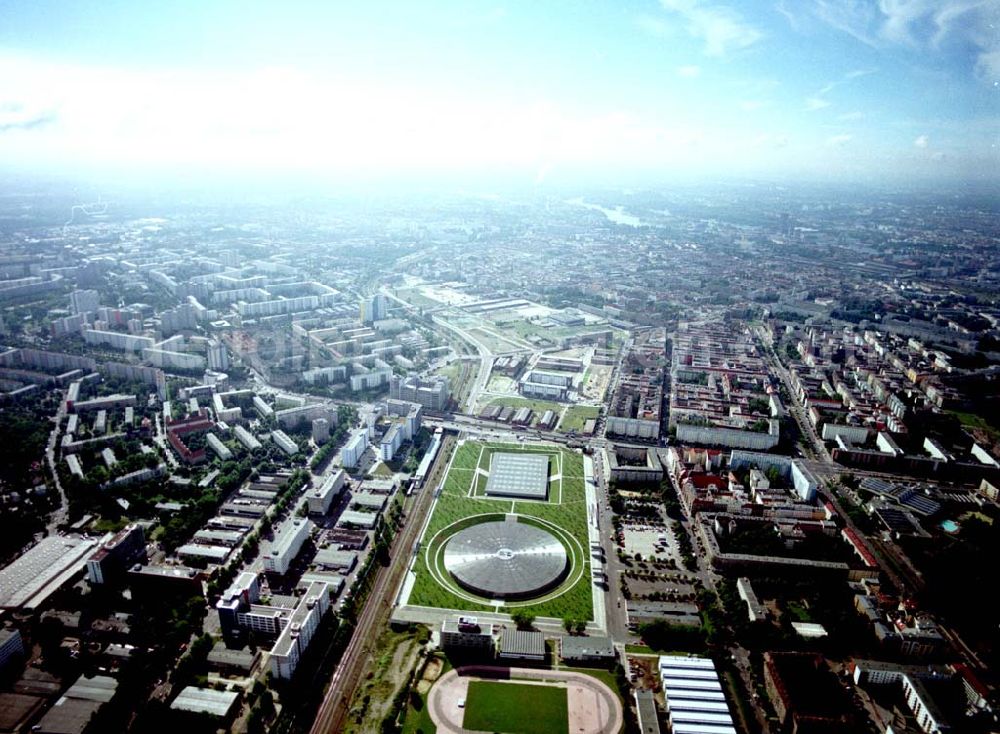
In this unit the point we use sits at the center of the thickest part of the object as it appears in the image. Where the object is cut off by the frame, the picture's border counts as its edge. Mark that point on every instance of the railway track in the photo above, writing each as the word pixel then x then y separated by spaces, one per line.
pixel 375 614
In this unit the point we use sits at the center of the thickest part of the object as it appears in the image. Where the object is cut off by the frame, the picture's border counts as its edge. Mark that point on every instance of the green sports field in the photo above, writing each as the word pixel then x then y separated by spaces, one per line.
pixel 516 708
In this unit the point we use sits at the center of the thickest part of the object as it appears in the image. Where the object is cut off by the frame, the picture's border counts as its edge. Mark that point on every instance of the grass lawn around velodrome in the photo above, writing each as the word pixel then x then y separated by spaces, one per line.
pixel 462 497
pixel 516 708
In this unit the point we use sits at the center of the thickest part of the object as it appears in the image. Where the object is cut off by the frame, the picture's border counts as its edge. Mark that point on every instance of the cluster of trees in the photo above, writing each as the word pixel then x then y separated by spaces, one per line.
pixel 759 539
pixel 420 443
pixel 855 310
pixel 789 316
pixel 684 546
pixel 574 626
pixel 180 526
pixel 523 620
pixel 567 296
pixel 129 457
pixel 346 417
pixel 24 431
pixel 954 565
pixel 663 636
pixel 671 502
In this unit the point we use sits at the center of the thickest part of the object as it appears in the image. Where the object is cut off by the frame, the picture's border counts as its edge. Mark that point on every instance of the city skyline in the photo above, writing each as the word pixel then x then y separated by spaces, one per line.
pixel 887 92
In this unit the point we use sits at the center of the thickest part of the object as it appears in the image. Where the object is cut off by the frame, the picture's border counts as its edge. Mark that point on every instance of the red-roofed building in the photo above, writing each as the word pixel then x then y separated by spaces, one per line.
pixel 859 547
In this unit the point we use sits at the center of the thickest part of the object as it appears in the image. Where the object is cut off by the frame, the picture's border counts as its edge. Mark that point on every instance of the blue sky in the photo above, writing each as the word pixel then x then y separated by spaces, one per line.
pixel 824 89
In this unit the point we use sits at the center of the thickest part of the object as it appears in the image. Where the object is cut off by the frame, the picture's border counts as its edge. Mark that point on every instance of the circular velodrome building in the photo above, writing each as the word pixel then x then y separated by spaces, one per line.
pixel 506 560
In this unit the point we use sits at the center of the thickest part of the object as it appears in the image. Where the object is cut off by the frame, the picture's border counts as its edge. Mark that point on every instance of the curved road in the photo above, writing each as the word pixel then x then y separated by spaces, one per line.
pixel 593 707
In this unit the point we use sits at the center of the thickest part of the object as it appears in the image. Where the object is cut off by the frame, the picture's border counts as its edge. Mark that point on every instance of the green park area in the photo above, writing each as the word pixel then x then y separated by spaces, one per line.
pixel 577 416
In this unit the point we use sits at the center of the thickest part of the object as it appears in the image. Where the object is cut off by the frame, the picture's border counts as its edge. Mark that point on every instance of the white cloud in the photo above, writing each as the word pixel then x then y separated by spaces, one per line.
pixel 988 65
pixel 816 103
pixel 819 101
pixel 653 26
pixel 854 17
pixel 837 141
pixel 751 105
pixel 924 24
pixel 851 116
pixel 689 72
pixel 858 73
pixel 770 140
pixel 793 21
pixel 721 28
pixel 921 141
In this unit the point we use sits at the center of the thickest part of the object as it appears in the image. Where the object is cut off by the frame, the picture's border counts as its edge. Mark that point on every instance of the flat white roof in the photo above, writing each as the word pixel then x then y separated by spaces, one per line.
pixel 684 695
pixel 684 704
pixel 689 674
pixel 684 727
pixel 704 685
pixel 289 534
pixel 683 661
pixel 701 717
pixel 809 630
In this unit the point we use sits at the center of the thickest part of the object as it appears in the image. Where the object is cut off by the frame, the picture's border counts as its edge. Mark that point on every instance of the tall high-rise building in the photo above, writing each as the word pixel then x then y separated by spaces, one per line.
pixel 182 317
pixel 432 394
pixel 84 301
pixel 380 307
pixel 218 357
pixel 320 430
pixel 111 560
pixel 374 308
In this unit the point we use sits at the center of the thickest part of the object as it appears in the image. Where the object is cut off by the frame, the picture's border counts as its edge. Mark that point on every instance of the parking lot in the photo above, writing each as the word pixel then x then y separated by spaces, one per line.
pixel 651 541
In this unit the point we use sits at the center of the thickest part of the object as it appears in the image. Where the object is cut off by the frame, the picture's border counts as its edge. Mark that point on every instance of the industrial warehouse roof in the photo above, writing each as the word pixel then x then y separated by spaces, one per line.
pixel 518 475
pixel 335 558
pixel 693 695
pixel 99 688
pixel 359 519
pixel 205 700
pixel 522 643
pixel 73 711
pixel 47 565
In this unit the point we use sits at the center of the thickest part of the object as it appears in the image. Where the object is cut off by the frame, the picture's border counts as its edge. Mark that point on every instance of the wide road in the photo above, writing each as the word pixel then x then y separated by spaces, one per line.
pixel 375 614
pixel 485 360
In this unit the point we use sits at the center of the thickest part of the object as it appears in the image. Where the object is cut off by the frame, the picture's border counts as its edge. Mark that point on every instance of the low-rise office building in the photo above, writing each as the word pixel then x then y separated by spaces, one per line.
pixel 246 438
pixel 466 633
pixel 580 649
pixel 284 442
